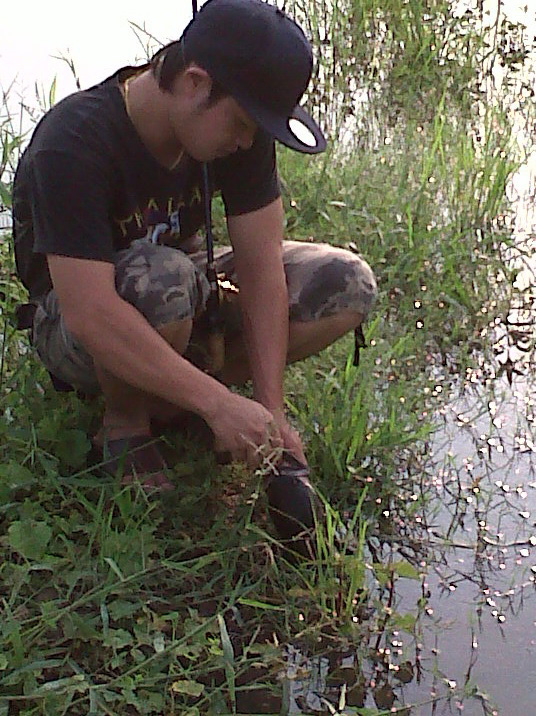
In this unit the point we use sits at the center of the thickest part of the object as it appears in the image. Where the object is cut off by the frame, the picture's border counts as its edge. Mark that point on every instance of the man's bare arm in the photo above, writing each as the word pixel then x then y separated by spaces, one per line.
pixel 120 339
pixel 257 242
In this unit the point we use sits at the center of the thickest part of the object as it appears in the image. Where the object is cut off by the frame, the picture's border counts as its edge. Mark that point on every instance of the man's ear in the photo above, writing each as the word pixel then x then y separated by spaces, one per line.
pixel 195 83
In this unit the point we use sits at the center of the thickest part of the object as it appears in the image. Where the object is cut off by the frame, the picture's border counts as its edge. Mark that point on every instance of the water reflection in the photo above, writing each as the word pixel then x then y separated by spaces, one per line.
pixel 469 641
pixel 470 620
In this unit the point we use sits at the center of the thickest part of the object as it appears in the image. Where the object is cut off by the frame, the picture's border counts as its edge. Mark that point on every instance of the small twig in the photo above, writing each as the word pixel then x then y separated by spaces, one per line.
pixel 70 64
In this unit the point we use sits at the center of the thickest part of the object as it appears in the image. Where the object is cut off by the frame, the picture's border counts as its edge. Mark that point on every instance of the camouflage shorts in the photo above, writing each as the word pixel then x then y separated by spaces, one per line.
pixel 167 285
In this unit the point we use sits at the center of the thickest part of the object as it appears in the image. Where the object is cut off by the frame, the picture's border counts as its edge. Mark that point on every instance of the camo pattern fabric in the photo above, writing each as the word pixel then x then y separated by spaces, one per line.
pixel 168 285
pixel 322 280
pixel 59 350
pixel 161 282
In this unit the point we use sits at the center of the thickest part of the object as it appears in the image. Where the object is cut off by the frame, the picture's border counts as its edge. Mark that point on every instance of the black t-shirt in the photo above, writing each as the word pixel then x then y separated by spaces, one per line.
pixel 86 185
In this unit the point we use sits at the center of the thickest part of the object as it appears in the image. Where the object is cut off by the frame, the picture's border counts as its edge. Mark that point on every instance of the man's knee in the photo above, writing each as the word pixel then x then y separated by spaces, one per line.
pixel 345 320
pixel 330 281
pixel 162 283
pixel 177 334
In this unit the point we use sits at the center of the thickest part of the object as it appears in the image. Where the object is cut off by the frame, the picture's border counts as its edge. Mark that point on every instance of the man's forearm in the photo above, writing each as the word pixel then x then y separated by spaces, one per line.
pixel 257 241
pixel 120 340
pixel 264 304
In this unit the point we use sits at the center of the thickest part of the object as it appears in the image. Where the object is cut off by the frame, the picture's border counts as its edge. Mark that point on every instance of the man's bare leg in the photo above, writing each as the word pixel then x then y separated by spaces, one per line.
pixel 305 339
pixel 128 410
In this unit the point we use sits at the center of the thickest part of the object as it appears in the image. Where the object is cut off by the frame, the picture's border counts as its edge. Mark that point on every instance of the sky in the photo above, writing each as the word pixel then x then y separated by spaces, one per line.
pixel 98 37
pixel 96 34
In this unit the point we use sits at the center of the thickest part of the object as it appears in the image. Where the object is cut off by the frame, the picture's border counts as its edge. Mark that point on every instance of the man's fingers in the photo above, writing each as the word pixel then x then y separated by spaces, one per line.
pixel 250 432
pixel 276 441
pixel 292 442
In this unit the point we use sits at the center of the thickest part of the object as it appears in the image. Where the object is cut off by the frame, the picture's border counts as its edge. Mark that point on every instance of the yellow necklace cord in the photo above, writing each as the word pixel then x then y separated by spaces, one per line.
pixel 125 86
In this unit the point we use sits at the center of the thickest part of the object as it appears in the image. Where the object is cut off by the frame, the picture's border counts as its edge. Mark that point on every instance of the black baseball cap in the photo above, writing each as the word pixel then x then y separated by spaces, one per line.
pixel 262 58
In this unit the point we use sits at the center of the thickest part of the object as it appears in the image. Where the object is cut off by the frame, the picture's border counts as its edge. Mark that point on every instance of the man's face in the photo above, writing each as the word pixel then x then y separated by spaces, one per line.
pixel 217 130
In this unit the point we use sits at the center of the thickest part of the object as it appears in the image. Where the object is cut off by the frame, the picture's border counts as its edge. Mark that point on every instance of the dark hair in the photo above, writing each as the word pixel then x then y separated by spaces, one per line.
pixel 169 62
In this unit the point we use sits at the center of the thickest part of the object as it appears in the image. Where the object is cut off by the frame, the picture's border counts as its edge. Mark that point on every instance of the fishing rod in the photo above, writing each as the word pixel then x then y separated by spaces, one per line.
pixel 216 339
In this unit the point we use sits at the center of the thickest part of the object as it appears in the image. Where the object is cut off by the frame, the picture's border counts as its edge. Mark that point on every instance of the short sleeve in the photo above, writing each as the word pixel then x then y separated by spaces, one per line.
pixel 70 204
pixel 248 179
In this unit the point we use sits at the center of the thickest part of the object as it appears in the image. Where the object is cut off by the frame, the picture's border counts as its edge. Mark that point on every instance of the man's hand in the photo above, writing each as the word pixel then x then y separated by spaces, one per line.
pixel 290 437
pixel 249 432
pixel 245 429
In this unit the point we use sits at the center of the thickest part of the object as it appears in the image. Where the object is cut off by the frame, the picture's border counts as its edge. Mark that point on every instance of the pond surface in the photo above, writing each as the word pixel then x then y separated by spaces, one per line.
pixel 480 619
pixel 474 647
pixel 476 627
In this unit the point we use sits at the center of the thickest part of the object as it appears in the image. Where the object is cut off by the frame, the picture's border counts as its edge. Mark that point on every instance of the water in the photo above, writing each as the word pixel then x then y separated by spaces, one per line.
pixel 473 650
pixel 482 616
pixel 474 647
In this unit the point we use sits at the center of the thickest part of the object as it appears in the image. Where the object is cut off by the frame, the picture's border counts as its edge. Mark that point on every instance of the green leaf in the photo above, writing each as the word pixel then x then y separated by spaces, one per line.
pixel 159 643
pixel 75 682
pixel 114 567
pixel 153 701
pixel 119 609
pixel 3 662
pixel 118 638
pixel 111 697
pixel 5 195
pixel 73 447
pixel 228 659
pixel 261 605
pixel 404 569
pixel 15 476
pixel 52 93
pixel 191 688
pixel 190 651
pixel 228 651
pixel 403 621
pixel 81 627
pixel 29 538
pixel 381 573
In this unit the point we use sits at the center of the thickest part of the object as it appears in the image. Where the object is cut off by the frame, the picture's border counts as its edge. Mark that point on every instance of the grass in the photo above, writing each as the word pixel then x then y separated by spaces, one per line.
pixel 115 603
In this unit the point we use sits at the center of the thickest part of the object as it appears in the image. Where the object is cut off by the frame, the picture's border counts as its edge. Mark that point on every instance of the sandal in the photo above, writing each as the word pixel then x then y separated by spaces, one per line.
pixel 187 423
pixel 194 427
pixel 136 459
